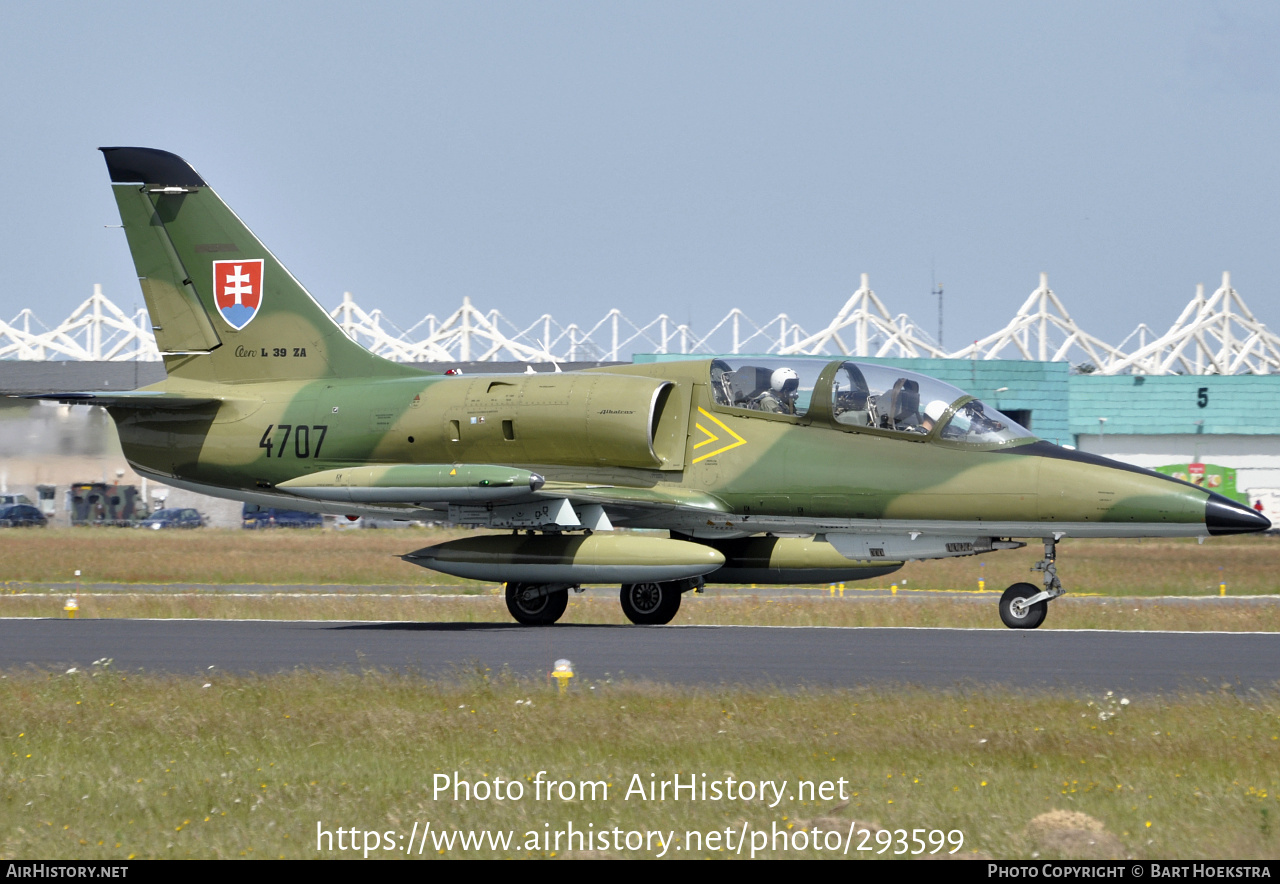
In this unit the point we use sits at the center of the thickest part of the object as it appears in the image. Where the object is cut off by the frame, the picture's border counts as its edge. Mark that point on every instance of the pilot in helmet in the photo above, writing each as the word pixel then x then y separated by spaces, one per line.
pixel 780 398
pixel 933 413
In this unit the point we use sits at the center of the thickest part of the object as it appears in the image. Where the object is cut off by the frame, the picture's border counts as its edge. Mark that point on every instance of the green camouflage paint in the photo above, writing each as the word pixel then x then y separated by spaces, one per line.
pixel 267 396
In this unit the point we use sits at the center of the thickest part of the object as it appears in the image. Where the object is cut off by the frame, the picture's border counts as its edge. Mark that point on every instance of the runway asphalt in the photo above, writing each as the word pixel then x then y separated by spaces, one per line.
pixel 785 657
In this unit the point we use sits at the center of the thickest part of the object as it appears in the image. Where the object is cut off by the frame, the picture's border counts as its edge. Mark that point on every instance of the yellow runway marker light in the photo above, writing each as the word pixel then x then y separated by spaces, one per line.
pixel 562 672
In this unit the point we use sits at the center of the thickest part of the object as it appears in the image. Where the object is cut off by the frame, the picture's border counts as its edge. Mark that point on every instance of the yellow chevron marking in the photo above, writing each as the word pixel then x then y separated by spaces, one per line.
pixel 712 437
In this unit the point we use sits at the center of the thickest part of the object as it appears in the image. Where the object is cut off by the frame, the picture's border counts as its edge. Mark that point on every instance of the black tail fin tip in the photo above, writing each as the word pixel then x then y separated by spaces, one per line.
pixel 146 165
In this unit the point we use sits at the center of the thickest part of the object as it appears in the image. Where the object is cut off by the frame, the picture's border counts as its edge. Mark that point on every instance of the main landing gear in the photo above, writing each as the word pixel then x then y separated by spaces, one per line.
pixel 655 604
pixel 646 604
pixel 537 604
pixel 1023 606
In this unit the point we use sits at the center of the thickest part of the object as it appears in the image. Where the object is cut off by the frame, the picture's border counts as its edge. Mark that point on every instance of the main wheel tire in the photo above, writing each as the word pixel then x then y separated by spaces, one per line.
pixel 650 604
pixel 541 611
pixel 1031 616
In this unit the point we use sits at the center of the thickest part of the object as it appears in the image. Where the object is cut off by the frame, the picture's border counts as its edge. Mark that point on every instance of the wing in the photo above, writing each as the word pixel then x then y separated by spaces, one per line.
pixel 496 496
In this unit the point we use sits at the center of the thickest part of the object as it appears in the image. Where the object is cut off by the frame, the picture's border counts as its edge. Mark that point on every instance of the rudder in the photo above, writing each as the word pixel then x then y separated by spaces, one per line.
pixel 223 308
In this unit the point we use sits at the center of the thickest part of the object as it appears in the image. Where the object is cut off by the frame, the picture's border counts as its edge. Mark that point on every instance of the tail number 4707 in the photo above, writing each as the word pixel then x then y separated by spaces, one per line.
pixel 302 439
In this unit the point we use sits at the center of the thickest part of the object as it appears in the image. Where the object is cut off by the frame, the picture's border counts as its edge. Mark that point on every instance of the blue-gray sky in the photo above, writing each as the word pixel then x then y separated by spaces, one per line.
pixel 667 157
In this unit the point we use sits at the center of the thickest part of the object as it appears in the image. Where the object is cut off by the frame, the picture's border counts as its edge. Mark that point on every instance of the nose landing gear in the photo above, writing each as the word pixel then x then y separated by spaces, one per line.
pixel 1021 606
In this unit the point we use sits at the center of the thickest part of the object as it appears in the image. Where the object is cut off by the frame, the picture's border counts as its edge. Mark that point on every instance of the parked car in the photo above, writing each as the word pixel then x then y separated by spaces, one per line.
pixel 173 518
pixel 22 515
pixel 263 517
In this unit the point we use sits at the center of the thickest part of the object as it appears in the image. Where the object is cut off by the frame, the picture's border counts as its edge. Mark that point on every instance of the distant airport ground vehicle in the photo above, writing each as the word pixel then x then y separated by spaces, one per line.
pixel 98 503
pixel 271 517
pixel 21 515
pixel 173 518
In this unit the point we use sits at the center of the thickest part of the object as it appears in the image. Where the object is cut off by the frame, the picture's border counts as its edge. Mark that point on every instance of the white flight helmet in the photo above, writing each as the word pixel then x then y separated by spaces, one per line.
pixel 935 410
pixel 785 381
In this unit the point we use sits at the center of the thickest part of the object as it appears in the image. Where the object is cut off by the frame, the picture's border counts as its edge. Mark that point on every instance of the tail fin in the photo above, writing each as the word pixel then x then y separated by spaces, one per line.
pixel 223 308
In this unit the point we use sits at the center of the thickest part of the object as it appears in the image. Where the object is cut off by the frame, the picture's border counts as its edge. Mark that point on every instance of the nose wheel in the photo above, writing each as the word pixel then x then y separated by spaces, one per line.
pixel 1023 606
pixel 1016 612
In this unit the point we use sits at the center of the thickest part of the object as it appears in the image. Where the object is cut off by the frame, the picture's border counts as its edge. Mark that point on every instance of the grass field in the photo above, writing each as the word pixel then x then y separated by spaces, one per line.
pixel 99 765
pixel 356 575
pixel 1247 565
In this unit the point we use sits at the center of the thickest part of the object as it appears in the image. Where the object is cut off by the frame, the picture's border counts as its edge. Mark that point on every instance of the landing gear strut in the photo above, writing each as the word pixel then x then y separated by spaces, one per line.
pixel 1021 606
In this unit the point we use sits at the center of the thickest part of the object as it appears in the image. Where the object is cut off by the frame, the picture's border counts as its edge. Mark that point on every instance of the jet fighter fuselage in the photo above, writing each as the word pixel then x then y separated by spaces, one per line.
pixel 758 469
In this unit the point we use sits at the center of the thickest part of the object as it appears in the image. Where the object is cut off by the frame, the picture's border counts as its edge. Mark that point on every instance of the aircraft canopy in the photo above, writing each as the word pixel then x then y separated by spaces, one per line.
pixel 862 395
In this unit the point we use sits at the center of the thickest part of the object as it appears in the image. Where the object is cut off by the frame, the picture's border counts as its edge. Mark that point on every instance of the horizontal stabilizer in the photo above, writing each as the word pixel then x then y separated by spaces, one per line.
pixel 133 399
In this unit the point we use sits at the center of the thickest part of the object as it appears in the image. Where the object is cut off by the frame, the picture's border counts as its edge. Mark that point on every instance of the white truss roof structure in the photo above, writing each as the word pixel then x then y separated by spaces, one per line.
pixel 1043 330
pixel 366 328
pixel 1214 335
pixel 865 322
pixel 468 335
pixel 96 331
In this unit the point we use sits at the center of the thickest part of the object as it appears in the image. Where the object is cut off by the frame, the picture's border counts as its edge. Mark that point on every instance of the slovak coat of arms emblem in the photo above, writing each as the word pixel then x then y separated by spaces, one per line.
pixel 237 290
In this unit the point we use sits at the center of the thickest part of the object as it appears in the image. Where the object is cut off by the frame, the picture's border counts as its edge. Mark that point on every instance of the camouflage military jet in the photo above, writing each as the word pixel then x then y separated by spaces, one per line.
pixel 751 470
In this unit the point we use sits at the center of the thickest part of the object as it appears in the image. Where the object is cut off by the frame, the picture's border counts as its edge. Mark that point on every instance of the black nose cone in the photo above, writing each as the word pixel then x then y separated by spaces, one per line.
pixel 1224 516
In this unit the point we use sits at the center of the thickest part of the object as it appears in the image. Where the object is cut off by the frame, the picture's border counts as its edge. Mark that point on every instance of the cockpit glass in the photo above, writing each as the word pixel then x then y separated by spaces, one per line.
pixel 977 422
pixel 888 398
pixel 863 395
pixel 775 386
